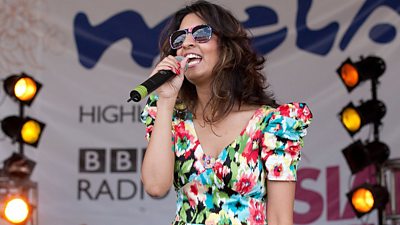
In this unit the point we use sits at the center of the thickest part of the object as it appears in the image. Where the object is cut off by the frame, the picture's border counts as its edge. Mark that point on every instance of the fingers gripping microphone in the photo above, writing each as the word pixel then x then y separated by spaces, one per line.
pixel 152 83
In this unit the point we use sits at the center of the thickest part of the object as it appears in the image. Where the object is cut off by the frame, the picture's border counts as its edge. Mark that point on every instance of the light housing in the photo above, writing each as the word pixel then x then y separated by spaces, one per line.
pixel 25 130
pixel 22 88
pixel 353 118
pixel 358 156
pixel 367 197
pixel 18 167
pixel 353 74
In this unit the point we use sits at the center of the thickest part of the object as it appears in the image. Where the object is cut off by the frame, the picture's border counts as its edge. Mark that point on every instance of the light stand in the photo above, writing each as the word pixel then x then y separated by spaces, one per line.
pixel 389 170
pixel 379 180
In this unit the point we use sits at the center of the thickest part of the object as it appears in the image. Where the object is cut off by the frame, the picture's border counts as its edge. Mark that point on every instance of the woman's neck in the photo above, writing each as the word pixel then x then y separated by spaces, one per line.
pixel 203 97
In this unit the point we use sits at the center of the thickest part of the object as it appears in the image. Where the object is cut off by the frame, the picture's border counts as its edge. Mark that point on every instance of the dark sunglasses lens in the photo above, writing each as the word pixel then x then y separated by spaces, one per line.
pixel 177 39
pixel 202 33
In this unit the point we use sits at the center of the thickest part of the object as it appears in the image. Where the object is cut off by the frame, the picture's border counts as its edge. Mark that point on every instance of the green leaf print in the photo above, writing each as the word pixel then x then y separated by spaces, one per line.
pixel 234 171
pixel 186 166
pixel 177 165
pixel 148 120
pixel 231 151
pixel 200 217
pixel 182 212
pixel 242 142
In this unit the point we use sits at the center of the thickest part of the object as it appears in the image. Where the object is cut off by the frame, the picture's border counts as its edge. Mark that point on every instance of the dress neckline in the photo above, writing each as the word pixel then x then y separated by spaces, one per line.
pixel 221 153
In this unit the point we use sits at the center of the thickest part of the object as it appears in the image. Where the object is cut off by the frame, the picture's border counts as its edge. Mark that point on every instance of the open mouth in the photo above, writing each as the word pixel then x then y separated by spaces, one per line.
pixel 194 59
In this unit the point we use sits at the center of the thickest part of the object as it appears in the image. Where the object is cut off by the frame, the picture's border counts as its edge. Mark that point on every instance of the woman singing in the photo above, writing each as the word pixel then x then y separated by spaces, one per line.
pixel 214 131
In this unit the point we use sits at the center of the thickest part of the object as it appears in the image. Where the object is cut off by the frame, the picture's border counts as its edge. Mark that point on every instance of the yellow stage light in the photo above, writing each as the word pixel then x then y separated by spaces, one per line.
pixel 31 131
pixel 351 119
pixel 368 197
pixel 24 130
pixel 363 200
pixel 16 210
pixel 354 118
pixel 25 89
pixel 22 88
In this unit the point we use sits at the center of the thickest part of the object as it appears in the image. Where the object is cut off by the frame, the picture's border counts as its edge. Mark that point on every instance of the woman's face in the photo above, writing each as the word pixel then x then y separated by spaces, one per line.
pixel 202 56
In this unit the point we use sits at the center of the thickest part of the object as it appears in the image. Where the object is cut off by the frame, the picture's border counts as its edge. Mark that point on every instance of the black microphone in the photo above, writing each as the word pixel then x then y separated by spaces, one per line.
pixel 152 83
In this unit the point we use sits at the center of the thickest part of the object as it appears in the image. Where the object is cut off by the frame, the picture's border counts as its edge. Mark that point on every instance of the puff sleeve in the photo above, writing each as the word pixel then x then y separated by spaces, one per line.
pixel 283 132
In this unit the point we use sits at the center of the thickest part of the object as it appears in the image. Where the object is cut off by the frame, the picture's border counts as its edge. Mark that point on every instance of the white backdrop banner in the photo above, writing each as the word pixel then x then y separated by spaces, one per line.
pixel 90 54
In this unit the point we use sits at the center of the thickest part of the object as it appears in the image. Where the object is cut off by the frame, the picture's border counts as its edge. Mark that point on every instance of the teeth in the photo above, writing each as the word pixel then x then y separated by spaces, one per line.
pixel 191 63
pixel 193 56
pixel 193 59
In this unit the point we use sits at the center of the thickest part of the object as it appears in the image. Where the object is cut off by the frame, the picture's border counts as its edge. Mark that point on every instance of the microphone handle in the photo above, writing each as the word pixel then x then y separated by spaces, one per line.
pixel 150 85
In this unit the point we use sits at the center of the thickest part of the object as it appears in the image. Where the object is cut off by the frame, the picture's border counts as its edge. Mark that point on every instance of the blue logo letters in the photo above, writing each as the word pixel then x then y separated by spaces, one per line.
pixel 93 40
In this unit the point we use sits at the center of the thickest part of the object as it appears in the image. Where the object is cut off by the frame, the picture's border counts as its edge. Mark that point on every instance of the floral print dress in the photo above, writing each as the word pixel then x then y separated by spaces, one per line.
pixel 231 189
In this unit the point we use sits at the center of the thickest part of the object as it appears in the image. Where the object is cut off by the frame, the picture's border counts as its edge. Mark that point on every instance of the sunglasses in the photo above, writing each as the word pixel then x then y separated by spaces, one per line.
pixel 200 33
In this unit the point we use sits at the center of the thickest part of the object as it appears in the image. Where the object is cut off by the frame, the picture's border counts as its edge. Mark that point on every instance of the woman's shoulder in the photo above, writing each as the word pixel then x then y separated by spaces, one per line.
pixel 295 110
pixel 288 120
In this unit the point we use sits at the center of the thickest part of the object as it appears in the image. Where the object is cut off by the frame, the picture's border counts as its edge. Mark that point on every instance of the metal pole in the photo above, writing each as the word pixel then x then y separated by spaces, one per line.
pixel 374 92
pixel 374 84
pixel 379 180
pixel 21 115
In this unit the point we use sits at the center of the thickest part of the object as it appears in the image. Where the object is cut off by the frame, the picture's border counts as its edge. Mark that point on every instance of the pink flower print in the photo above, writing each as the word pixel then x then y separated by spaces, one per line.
pixel 257 213
pixel 293 148
pixel 246 183
pixel 220 170
pixel 277 170
pixel 249 153
pixel 303 112
pixel 284 110
pixel 195 192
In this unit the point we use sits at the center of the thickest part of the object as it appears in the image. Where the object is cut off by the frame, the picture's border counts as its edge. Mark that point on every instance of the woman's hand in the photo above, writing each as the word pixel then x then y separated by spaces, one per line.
pixel 170 89
pixel 158 162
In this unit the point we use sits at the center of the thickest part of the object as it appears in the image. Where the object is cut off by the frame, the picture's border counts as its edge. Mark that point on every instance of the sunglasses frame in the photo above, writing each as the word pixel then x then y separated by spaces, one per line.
pixel 190 31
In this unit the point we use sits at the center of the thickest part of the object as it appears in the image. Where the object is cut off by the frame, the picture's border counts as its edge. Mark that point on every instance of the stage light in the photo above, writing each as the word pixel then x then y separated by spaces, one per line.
pixel 367 197
pixel 17 169
pixel 358 156
pixel 354 118
pixel 22 88
pixel 24 130
pixel 18 166
pixel 353 74
pixel 16 210
pixel 30 131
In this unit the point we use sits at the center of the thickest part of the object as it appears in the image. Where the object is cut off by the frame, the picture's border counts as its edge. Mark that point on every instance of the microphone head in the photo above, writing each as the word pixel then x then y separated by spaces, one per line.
pixel 179 58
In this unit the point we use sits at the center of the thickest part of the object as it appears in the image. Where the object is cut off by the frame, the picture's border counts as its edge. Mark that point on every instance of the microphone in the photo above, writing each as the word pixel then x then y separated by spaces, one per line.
pixel 152 83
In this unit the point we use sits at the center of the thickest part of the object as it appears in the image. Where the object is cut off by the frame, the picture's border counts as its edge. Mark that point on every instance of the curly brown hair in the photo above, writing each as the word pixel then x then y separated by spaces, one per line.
pixel 237 74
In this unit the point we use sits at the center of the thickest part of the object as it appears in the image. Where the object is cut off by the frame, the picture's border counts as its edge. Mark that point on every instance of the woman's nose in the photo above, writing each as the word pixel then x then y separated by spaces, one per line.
pixel 189 41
